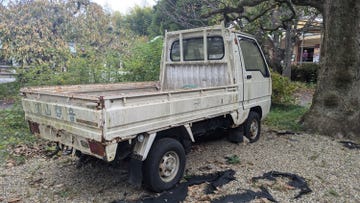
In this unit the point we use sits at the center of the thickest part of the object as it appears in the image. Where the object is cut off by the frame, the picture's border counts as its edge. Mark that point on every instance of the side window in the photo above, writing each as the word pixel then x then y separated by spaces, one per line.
pixel 252 56
pixel 175 51
pixel 215 48
pixel 194 49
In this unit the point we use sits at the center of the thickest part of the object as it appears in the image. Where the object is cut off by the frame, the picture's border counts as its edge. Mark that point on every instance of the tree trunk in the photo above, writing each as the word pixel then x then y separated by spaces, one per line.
pixel 275 59
pixel 277 53
pixel 288 52
pixel 336 104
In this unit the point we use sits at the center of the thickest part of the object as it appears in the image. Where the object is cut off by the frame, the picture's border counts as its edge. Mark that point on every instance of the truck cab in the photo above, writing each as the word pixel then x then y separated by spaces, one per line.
pixel 215 56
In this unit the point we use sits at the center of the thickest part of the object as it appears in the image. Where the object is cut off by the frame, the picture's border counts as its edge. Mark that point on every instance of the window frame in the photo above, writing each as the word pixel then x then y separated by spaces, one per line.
pixel 191 38
pixel 254 42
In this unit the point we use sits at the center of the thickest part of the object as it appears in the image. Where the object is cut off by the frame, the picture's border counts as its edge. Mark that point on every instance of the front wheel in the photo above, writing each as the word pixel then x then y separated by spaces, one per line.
pixel 253 127
pixel 165 164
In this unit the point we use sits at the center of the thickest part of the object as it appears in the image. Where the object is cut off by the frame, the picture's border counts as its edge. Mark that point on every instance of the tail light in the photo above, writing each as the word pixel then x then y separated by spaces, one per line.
pixel 34 127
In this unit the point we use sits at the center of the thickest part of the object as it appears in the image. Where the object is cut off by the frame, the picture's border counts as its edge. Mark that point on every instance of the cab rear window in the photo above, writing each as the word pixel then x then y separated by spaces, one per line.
pixel 193 49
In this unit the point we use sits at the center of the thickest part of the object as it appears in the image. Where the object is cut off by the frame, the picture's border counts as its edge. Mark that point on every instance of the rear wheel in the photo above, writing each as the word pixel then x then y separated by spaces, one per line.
pixel 165 165
pixel 253 127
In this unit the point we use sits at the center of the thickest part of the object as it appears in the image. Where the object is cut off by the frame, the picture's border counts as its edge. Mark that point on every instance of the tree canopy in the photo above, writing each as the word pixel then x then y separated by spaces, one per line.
pixel 61 38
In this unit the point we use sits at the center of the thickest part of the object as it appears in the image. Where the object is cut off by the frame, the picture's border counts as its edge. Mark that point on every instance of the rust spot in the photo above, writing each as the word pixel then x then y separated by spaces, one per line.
pixel 34 127
pixel 97 148
pixel 102 102
pixel 87 122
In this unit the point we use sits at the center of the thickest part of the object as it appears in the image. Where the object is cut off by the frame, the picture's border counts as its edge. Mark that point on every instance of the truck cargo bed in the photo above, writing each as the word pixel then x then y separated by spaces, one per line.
pixel 95 91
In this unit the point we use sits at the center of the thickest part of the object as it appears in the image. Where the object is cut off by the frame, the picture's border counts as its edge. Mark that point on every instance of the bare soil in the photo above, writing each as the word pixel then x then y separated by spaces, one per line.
pixel 331 170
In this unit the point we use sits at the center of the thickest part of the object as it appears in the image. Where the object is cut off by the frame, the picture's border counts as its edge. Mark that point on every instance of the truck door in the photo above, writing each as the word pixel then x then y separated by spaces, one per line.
pixel 257 81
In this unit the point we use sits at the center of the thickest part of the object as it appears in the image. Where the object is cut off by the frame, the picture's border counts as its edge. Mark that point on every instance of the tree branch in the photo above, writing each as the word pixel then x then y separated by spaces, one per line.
pixel 318 4
pixel 249 19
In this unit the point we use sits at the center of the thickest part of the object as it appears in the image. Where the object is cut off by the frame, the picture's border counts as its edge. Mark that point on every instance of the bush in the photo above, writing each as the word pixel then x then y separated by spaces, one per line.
pixel 282 89
pixel 306 72
pixel 143 62
pixel 9 91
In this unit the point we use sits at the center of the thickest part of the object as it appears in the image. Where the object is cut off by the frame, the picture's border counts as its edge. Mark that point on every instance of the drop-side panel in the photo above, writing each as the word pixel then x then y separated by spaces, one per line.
pixel 127 117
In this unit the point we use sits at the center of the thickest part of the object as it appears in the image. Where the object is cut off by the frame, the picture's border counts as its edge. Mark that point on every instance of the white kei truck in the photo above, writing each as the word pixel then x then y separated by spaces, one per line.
pixel 210 78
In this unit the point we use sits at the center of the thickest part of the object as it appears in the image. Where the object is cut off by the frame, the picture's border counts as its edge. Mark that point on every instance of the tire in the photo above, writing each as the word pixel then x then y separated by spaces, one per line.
pixel 252 127
pixel 165 164
pixel 236 134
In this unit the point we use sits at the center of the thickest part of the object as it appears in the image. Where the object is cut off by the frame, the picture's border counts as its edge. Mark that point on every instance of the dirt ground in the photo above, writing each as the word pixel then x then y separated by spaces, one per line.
pixel 331 170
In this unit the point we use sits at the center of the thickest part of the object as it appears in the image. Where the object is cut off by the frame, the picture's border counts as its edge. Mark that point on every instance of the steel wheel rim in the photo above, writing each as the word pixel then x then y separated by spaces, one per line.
pixel 169 166
pixel 254 129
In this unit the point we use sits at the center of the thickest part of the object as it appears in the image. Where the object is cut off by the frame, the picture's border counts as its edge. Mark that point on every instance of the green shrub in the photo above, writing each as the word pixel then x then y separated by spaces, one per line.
pixel 143 62
pixel 233 159
pixel 282 89
pixel 306 72
pixel 8 91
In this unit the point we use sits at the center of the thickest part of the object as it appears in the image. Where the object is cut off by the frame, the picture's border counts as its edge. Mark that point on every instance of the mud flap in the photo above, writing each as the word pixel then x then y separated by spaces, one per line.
pixel 135 172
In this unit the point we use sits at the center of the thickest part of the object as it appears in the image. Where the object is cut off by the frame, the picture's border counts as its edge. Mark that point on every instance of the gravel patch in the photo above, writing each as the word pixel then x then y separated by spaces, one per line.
pixel 331 170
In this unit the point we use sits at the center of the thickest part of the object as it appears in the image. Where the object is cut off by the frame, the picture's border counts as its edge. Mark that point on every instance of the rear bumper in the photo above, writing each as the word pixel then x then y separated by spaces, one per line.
pixel 105 151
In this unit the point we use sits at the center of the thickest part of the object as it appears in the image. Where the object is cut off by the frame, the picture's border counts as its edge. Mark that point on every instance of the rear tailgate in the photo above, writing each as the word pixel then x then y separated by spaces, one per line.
pixel 74 115
pixel 68 120
pixel 75 109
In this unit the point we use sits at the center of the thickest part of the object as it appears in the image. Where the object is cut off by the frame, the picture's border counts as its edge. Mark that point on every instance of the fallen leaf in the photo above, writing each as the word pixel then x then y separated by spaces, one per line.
pixel 264 200
pixel 59 185
pixel 289 187
pixel 10 164
pixel 37 181
pixel 14 200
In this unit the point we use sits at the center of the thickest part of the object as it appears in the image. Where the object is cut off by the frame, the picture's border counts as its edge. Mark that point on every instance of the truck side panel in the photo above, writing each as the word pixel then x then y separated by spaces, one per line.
pixel 170 109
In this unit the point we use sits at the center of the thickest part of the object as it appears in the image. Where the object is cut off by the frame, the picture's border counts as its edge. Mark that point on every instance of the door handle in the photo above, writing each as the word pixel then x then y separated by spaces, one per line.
pixel 248 77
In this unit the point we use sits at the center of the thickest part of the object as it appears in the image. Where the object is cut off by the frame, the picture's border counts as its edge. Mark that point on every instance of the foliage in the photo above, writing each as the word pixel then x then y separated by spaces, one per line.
pixel 29 34
pixel 285 117
pixel 143 64
pixel 62 42
pixel 9 91
pixel 283 89
pixel 139 20
pixel 333 193
pixel 233 159
pixel 13 130
pixel 306 72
